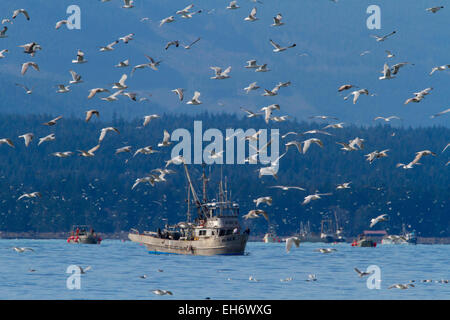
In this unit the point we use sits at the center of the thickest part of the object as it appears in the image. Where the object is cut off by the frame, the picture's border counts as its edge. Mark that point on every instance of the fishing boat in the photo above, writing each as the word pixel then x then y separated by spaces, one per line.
pixel 215 231
pixel 364 240
pixel 271 236
pixel 329 232
pixel 404 238
pixel 306 235
pixel 80 234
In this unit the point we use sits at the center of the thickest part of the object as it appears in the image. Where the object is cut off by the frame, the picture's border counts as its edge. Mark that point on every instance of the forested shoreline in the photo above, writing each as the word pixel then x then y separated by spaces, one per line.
pixel 98 190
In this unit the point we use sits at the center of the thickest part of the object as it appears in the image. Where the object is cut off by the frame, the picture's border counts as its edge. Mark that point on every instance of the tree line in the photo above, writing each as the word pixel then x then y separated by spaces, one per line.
pixel 98 190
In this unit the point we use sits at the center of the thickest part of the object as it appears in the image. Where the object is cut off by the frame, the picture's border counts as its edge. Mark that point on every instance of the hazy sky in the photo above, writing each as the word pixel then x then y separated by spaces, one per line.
pixel 330 38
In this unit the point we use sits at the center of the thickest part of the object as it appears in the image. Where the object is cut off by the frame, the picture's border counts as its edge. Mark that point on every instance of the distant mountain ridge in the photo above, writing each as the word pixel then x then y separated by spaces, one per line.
pixel 330 38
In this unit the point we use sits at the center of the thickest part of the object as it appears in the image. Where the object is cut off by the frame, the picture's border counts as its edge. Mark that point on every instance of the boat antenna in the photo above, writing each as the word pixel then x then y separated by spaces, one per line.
pixel 226 190
pixel 205 181
pixel 188 204
pixel 337 223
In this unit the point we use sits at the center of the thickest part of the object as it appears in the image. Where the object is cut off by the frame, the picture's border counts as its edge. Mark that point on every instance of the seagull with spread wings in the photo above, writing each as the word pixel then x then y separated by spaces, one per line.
pixel 28 64
pixel 315 196
pixel 195 99
pixel 80 58
pixel 279 48
pixel 292 241
pixel 252 16
pixel 90 152
pixel 104 131
pixel 382 38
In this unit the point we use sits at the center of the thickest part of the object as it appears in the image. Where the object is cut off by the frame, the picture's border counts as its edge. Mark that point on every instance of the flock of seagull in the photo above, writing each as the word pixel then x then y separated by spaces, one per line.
pixel 219 73
pixel 389 72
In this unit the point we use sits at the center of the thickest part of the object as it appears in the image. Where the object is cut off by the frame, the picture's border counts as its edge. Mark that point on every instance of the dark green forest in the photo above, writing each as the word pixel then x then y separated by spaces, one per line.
pixel 98 190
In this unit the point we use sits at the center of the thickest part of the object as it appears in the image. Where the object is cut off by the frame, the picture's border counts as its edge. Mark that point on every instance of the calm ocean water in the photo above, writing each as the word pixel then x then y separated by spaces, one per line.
pixel 116 268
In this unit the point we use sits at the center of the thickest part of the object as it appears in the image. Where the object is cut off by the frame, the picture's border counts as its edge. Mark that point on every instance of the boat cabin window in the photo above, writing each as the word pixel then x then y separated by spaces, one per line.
pixel 225 232
pixel 202 233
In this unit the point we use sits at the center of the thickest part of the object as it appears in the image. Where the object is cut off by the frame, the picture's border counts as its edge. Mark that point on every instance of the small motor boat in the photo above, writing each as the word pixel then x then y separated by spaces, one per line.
pixel 80 234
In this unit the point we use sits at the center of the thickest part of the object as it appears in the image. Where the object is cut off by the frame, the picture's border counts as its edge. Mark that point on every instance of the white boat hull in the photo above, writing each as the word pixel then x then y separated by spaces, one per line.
pixel 223 245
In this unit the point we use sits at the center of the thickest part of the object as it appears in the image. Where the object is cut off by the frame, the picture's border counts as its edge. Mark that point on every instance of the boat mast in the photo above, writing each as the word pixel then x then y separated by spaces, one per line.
pixel 201 209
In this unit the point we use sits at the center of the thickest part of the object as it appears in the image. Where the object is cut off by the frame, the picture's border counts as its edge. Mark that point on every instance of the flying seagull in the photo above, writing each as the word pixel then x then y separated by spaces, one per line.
pixel 278 48
pixel 109 47
pixel 380 218
pixel 90 152
pixel 80 58
pixel 195 100
pixel 440 113
pixel 27 137
pixel 386 119
pixel 123 64
pixel 266 200
pixel 149 118
pixel 52 122
pixel 179 92
pixel 382 38
pixel 35 194
pixel 292 241
pixel 219 74
pixel 434 9
pixel 345 87
pixel 251 114
pixel 440 68
pixel 27 90
pixel 187 47
pixel 60 23
pixel 166 140
pixel 356 94
pixel 2 52
pixel 3 32
pixel 256 214
pixel 286 188
pixel 31 48
pixel 277 20
pixel 76 78
pixel 128 4
pixel 26 65
pixel 21 11
pixel 167 20
pixel 250 87
pixel 90 113
pixel 94 91
pixel 49 137
pixel 315 196
pixel 233 5
pixel 386 73
pixel 7 141
pixel 106 130
pixel 252 16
